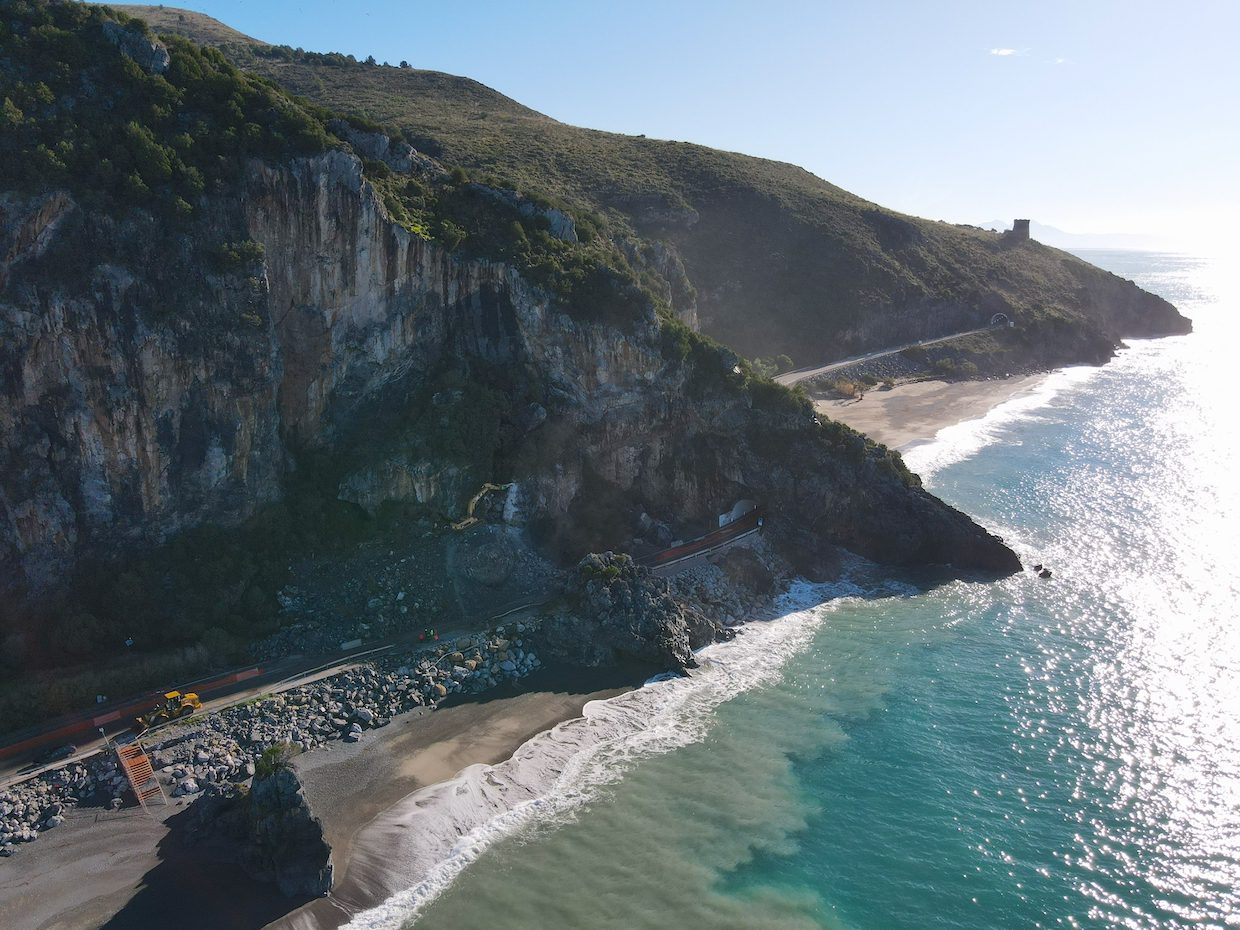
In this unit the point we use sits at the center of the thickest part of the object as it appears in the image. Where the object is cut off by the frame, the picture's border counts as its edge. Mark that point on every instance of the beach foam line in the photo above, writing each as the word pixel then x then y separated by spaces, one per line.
pixel 408 856
pixel 961 441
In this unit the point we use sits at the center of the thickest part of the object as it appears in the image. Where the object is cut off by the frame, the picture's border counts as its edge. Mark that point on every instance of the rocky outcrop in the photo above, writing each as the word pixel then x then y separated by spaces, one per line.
pixel 558 223
pixel 377 146
pixel 269 829
pixel 135 42
pixel 618 612
pixel 285 843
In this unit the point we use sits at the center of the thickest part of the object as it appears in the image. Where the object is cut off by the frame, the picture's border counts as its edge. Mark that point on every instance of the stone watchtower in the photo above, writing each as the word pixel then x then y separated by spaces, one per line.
pixel 1020 230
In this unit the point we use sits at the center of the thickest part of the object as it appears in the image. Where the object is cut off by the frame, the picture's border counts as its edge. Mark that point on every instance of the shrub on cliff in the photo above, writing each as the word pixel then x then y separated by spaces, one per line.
pixel 232 256
pixel 81 113
pixel 274 759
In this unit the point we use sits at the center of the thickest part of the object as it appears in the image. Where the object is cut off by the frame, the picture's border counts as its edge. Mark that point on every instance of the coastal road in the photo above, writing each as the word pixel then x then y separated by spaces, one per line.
pixel 19 769
pixel 243 685
pixel 790 378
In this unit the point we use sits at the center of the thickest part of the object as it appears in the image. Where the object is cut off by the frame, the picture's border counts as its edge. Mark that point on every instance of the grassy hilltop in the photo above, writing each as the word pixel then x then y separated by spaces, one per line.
pixel 781 260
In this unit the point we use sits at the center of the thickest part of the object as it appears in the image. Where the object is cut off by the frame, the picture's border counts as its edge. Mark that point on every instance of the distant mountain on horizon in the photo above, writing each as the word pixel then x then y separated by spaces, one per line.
pixel 1061 239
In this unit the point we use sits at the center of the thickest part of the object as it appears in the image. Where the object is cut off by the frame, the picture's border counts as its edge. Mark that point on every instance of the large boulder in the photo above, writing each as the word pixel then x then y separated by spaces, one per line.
pixel 487 557
pixel 285 843
pixel 618 612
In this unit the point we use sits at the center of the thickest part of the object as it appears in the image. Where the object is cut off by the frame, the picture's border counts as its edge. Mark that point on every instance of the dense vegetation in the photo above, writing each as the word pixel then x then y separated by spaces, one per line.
pixel 77 114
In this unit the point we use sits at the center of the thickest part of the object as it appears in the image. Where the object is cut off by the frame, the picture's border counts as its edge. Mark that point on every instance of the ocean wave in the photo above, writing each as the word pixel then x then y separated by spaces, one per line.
pixel 962 441
pixel 430 837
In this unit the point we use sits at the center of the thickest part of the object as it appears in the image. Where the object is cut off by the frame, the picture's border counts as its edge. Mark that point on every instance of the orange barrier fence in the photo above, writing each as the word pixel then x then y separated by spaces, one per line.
pixel 738 527
pixel 140 773
pixel 84 723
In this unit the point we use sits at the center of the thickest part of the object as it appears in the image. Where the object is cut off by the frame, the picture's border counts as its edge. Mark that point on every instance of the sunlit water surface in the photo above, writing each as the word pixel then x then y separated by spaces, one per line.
pixel 1026 753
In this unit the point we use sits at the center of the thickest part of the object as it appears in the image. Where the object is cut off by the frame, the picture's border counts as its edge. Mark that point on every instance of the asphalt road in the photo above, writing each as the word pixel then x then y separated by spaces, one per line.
pixel 790 378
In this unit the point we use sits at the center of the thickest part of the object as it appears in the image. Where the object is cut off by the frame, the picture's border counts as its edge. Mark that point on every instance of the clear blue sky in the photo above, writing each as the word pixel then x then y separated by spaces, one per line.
pixel 1093 115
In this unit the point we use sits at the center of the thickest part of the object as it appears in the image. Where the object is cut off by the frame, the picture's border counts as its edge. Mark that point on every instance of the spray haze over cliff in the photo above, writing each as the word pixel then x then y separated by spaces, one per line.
pixel 251 313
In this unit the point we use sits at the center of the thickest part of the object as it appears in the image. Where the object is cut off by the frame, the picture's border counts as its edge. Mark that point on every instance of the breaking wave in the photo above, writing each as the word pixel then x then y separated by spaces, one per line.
pixel 962 441
pixel 430 837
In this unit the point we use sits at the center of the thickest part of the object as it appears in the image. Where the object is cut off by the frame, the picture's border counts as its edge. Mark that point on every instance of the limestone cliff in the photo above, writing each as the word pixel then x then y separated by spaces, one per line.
pixel 148 388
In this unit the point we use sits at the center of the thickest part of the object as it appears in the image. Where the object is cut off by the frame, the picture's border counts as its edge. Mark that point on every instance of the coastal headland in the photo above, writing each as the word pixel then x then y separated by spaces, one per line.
pixel 281 379
pixel 120 869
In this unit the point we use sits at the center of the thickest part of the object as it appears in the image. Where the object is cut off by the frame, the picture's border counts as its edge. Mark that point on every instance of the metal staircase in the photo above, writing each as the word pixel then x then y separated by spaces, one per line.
pixel 141 775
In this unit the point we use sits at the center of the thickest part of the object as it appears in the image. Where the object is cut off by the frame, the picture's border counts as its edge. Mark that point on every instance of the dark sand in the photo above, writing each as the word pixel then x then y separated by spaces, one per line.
pixel 129 871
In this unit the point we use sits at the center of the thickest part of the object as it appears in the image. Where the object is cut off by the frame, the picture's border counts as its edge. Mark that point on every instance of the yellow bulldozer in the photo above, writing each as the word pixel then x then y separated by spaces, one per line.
pixel 175 705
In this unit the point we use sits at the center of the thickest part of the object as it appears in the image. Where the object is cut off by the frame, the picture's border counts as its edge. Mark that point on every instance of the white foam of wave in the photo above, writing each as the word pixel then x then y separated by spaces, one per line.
pixel 961 441
pixel 427 840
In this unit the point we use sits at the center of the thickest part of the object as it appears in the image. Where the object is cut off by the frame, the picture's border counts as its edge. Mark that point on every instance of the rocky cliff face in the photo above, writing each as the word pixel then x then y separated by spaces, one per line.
pixel 150 384
pixel 285 844
pixel 618 613
pixel 269 830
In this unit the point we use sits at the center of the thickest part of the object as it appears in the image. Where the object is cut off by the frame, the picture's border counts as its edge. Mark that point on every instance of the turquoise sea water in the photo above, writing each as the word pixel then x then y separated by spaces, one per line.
pixel 1026 753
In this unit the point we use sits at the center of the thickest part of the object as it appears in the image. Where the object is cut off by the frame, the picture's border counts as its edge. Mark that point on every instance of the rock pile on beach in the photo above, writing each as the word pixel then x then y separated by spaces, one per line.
pixel 735 588
pixel 225 746
pixel 213 754
pixel 28 808
pixel 617 612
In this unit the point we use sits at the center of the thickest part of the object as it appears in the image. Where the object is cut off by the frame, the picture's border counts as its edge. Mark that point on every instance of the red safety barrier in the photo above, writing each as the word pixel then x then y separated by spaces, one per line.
pixel 712 539
pixel 84 723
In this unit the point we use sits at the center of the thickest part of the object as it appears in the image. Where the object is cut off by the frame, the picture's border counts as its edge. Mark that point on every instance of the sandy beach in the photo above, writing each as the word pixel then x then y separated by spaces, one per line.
pixel 128 871
pixel 350 789
pixel 917 410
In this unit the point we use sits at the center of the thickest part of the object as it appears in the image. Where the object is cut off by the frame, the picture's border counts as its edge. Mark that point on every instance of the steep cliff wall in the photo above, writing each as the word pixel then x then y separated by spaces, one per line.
pixel 146 389
pixel 137 390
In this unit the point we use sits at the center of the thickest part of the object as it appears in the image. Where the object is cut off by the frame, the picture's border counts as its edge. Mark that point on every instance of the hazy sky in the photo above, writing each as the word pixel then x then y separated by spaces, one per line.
pixel 1092 115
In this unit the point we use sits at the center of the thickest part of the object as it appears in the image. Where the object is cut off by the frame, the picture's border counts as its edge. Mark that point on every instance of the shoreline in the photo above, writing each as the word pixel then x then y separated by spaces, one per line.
pixel 130 870
pixel 401 761
pixel 126 869
pixel 915 411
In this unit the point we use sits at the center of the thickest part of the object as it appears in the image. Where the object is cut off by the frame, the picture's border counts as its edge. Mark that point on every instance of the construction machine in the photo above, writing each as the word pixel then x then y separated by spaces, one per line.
pixel 175 705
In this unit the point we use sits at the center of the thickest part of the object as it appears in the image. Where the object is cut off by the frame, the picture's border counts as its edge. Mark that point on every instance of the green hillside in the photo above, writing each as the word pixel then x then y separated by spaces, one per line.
pixel 782 261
